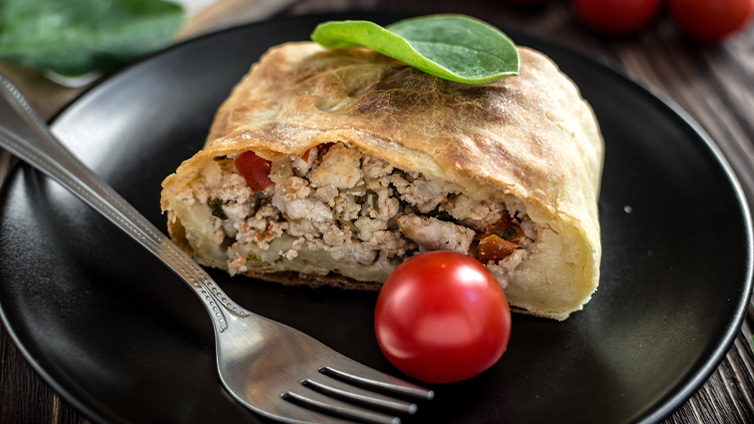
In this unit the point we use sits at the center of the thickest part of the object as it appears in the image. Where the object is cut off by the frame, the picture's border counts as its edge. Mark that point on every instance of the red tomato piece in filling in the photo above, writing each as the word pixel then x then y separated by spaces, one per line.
pixel 255 170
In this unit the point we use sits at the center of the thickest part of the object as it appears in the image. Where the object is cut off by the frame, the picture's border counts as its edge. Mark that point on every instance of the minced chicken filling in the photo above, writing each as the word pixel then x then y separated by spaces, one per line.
pixel 357 208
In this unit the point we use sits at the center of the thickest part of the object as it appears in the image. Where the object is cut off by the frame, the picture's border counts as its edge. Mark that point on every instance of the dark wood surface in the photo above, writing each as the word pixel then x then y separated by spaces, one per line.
pixel 714 83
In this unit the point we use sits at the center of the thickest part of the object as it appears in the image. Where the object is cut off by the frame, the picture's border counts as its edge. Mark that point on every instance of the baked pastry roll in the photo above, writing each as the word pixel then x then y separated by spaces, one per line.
pixel 333 166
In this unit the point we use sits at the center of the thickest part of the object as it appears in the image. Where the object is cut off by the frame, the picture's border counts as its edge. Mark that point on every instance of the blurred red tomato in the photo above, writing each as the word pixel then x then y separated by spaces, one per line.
pixel 525 2
pixel 615 17
pixel 711 20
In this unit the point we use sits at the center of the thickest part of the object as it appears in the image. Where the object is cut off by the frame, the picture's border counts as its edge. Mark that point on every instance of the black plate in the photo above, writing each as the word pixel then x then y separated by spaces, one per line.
pixel 120 337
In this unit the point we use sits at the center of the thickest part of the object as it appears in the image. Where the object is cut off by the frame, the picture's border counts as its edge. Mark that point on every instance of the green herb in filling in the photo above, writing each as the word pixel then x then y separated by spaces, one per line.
pixel 375 200
pixel 441 215
pixel 347 223
pixel 216 205
pixel 504 233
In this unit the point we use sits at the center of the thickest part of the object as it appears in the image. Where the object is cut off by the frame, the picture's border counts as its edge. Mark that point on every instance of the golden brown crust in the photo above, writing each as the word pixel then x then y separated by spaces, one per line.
pixel 518 134
pixel 530 137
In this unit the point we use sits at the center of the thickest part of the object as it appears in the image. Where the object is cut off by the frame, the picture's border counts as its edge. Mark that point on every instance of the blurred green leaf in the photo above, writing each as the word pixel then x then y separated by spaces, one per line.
pixel 75 37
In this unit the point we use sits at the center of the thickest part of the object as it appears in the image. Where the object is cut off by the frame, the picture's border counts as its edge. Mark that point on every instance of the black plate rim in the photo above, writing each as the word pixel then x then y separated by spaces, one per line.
pixel 684 392
pixel 98 412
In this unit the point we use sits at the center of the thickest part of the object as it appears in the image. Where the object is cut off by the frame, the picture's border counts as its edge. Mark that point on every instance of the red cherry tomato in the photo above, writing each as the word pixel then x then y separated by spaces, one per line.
pixel 442 317
pixel 711 20
pixel 255 170
pixel 615 17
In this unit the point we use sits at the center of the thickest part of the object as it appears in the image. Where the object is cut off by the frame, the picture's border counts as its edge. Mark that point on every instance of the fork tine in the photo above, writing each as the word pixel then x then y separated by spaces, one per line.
pixel 360 375
pixel 357 396
pixel 318 402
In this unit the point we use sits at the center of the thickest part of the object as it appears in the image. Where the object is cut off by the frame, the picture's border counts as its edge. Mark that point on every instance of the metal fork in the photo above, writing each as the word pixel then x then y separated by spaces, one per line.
pixel 274 370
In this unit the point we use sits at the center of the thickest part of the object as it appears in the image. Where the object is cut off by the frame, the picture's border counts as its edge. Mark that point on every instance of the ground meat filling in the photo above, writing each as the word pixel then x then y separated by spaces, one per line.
pixel 358 209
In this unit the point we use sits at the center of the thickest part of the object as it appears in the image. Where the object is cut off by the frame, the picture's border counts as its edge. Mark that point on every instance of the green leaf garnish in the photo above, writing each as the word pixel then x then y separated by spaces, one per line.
pixel 75 37
pixel 453 47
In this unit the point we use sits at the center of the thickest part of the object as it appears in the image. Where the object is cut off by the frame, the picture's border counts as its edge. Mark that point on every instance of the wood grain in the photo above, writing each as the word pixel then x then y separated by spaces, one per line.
pixel 711 82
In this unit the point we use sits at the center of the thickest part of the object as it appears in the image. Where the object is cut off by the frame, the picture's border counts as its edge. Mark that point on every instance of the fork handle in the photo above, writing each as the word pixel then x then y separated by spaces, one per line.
pixel 26 136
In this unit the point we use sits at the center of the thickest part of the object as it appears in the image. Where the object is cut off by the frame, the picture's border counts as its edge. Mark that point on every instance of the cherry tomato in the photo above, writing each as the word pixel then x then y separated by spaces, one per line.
pixel 442 317
pixel 615 17
pixel 711 20
pixel 255 170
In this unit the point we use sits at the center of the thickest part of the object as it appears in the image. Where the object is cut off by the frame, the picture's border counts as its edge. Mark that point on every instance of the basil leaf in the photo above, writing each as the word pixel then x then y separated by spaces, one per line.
pixel 453 47
pixel 75 37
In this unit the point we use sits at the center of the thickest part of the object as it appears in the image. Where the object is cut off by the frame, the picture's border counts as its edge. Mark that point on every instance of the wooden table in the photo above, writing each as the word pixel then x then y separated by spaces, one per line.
pixel 713 83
